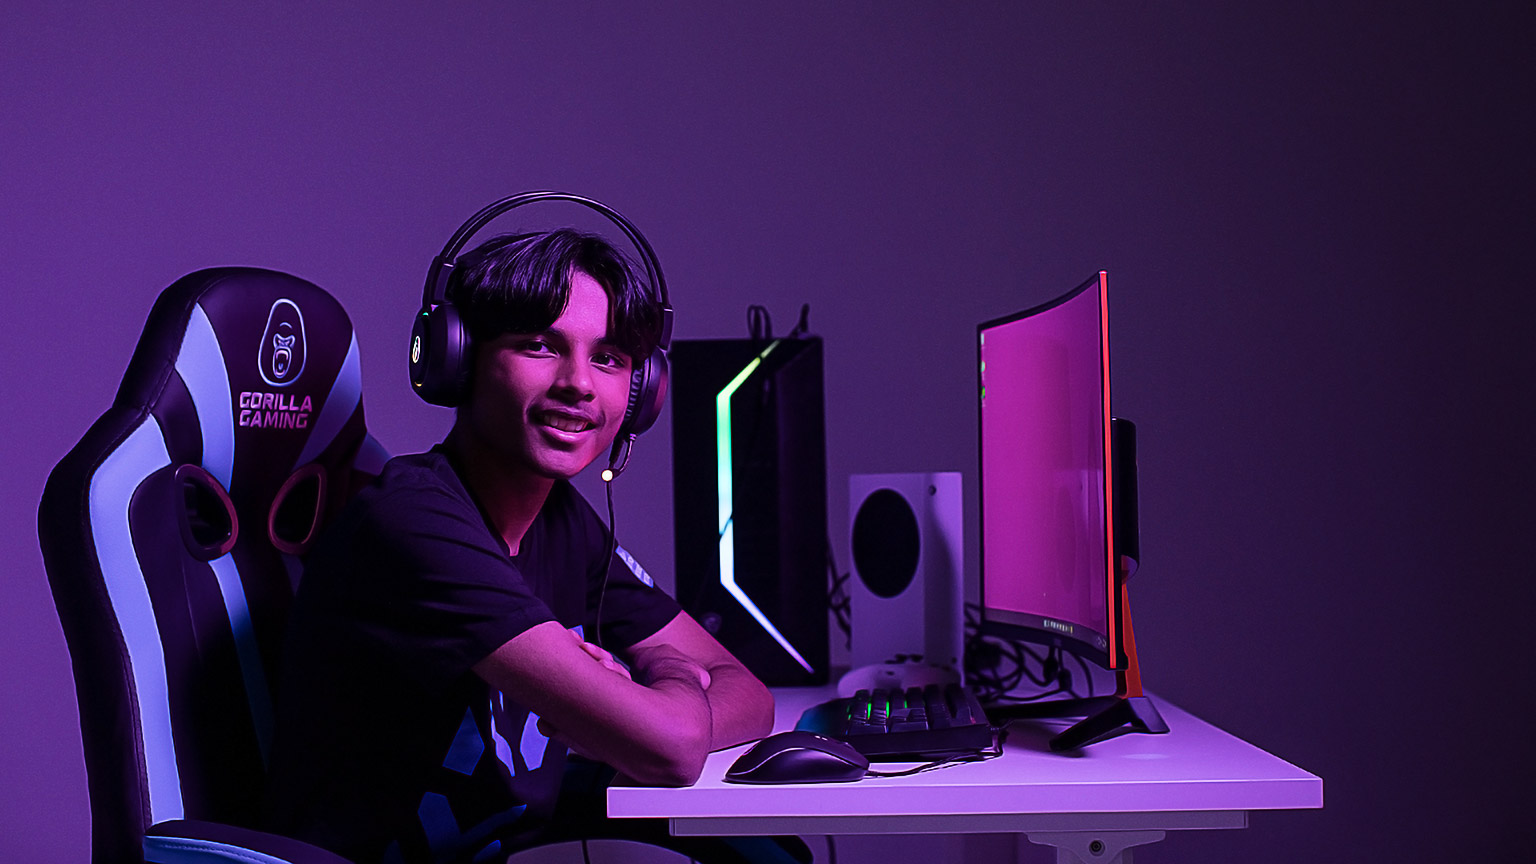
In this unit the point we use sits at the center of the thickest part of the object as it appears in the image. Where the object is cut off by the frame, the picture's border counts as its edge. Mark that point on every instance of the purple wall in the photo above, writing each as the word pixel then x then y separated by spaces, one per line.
pixel 1309 218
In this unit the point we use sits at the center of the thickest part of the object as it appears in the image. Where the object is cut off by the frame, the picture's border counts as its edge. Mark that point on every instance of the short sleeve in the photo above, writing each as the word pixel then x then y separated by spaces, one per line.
pixel 433 591
pixel 623 604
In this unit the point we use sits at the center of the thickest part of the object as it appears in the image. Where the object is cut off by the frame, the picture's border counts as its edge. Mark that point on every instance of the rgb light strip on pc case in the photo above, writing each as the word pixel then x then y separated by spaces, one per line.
pixel 725 472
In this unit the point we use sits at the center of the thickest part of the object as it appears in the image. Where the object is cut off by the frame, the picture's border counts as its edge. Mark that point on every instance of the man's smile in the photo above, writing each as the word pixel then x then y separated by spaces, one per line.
pixel 564 421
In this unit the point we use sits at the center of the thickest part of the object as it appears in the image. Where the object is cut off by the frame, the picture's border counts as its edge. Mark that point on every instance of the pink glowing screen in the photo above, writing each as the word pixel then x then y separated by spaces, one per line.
pixel 1046 543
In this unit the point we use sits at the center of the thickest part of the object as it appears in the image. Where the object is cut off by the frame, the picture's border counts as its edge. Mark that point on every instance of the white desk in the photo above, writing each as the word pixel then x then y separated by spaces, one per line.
pixel 1119 793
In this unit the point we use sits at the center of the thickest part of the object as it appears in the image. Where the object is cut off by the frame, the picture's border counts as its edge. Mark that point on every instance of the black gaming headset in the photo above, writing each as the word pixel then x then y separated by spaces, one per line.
pixel 441 354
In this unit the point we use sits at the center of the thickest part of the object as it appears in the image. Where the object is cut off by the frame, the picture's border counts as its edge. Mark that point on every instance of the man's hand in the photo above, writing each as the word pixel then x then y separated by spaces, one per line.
pixel 657 662
pixel 603 657
pixel 740 707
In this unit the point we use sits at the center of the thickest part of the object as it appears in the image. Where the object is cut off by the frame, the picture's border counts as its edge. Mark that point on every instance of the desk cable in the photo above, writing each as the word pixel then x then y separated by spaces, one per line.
pixel 992 752
pixel 995 667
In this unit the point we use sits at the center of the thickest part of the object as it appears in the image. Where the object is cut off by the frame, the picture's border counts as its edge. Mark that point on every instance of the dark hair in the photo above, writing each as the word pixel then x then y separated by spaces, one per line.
pixel 520 283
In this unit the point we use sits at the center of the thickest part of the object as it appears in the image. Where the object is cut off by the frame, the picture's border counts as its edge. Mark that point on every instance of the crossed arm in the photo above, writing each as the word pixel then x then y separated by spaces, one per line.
pixel 688 696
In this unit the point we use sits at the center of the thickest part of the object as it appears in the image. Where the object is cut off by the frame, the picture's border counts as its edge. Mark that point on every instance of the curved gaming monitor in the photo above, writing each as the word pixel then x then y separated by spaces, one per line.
pixel 1048 541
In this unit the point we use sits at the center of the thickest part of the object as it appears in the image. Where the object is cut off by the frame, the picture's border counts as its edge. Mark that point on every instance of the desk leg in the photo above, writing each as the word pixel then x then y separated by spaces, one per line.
pixel 1094 847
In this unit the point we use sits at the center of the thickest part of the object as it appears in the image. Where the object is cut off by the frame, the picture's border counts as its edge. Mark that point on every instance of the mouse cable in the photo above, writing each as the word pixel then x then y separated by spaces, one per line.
pixel 992 752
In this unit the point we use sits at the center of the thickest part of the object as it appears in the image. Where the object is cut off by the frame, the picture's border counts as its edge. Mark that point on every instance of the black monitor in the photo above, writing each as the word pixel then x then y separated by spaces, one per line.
pixel 1048 545
pixel 1058 499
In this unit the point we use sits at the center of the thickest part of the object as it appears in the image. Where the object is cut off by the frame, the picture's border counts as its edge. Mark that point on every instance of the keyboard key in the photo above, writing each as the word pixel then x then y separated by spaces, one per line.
pixel 917 723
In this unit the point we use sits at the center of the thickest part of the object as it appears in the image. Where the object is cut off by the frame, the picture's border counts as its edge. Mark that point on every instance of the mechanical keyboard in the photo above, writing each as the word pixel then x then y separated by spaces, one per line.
pixel 916 724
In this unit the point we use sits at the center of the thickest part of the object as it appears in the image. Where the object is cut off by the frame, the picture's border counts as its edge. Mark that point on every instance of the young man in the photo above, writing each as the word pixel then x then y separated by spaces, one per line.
pixel 441 657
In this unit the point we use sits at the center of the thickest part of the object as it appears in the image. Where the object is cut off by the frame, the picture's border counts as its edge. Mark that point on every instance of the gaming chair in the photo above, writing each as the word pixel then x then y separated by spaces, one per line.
pixel 172 534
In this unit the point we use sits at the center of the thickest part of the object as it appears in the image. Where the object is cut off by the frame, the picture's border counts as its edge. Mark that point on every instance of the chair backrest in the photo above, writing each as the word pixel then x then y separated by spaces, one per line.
pixel 171 534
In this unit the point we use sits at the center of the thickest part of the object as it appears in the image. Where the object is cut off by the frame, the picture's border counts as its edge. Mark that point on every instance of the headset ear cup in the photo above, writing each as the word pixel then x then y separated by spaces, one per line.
pixel 454 357
pixel 440 356
pixel 647 393
pixel 420 355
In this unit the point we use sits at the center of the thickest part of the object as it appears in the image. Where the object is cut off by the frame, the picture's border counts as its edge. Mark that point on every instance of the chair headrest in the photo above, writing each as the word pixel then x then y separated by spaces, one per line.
pixel 255 381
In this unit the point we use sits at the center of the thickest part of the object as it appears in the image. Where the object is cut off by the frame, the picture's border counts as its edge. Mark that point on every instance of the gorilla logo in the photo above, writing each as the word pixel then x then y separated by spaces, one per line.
pixel 282 353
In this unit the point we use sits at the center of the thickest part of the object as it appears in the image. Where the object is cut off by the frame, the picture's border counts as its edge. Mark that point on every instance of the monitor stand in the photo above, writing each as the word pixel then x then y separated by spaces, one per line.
pixel 1104 717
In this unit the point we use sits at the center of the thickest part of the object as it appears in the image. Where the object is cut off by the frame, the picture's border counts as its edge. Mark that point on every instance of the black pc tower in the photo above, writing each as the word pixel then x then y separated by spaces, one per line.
pixel 750 500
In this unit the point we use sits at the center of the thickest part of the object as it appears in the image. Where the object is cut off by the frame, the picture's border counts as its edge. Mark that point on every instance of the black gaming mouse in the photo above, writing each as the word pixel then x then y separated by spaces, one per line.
pixel 798 757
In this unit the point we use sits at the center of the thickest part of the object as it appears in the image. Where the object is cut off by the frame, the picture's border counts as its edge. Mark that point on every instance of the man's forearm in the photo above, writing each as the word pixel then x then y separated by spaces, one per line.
pixel 657 732
pixel 685 685
pixel 741 708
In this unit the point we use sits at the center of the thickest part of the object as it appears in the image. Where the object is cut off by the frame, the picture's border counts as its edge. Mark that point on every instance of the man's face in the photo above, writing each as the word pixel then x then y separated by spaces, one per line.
pixel 549 403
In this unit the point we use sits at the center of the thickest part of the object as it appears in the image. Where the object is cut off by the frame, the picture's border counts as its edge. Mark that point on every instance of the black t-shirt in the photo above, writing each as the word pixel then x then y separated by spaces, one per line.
pixel 388 746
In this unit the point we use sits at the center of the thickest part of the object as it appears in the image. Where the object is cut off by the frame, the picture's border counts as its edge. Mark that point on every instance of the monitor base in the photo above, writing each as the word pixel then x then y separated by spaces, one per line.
pixel 1123 715
pixel 1104 717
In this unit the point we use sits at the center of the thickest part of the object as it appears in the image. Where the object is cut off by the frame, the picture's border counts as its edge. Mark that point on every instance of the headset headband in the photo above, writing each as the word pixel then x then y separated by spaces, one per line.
pixel 436 291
